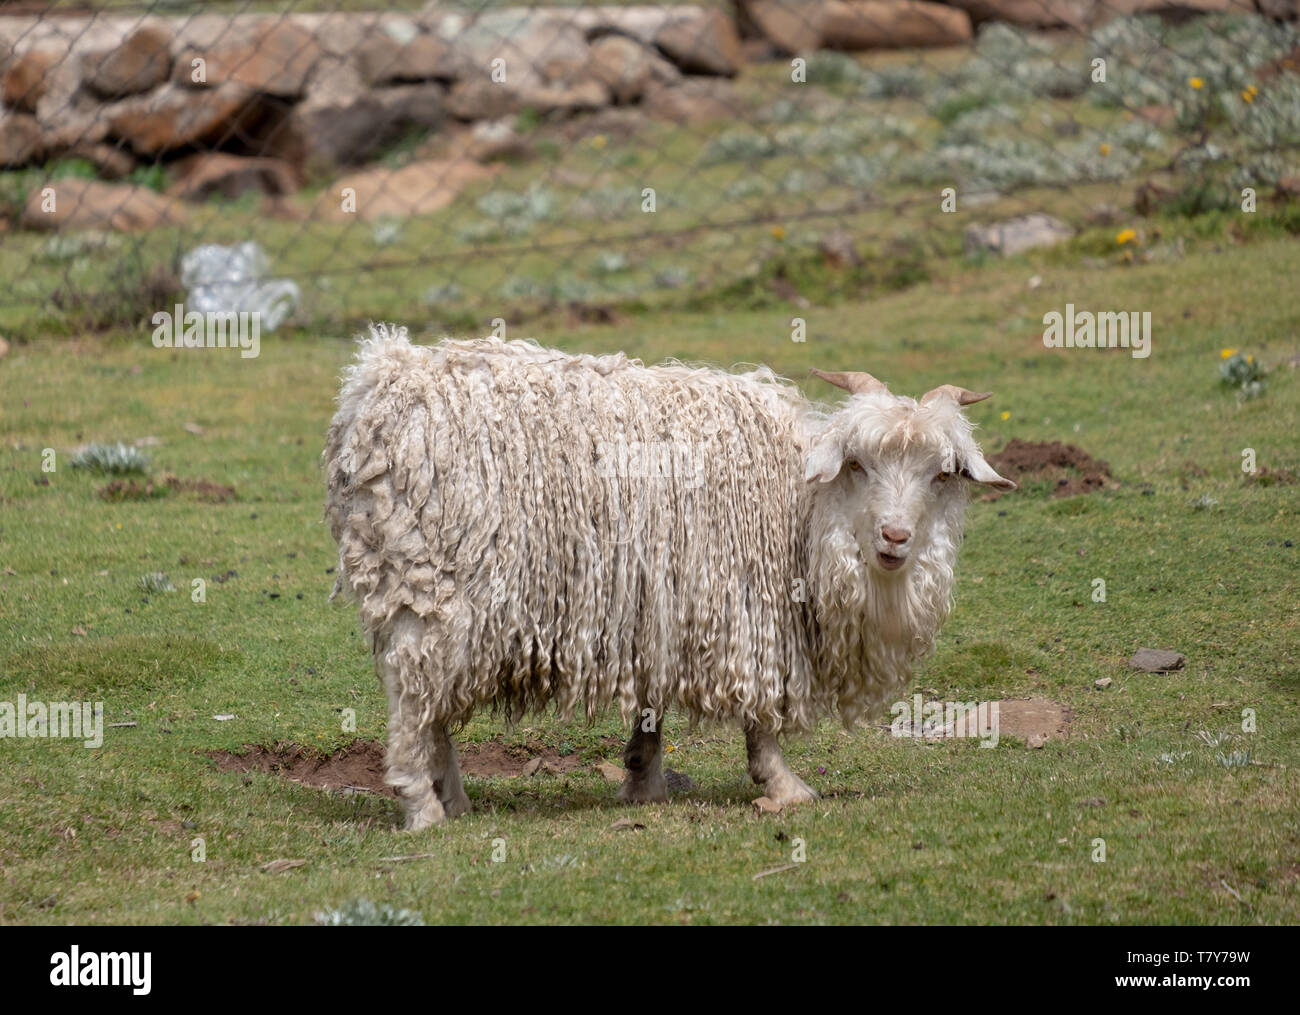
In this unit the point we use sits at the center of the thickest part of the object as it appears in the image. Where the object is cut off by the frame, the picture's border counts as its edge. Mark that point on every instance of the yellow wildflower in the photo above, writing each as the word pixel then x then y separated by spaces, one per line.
pixel 1006 415
pixel 599 141
pixel 1227 353
pixel 1126 236
pixel 1104 148
pixel 1196 83
pixel 1247 97
pixel 778 232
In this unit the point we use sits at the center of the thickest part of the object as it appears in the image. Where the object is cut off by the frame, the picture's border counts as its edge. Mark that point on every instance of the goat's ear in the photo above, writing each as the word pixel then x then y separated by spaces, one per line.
pixel 825 458
pixel 976 469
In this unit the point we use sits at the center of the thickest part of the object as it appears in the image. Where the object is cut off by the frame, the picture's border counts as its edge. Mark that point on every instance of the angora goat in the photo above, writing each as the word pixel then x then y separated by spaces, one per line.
pixel 521 526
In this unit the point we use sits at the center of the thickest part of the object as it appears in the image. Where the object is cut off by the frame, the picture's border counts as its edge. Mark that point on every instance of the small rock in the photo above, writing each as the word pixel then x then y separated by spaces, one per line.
pixel 490 140
pixel 532 767
pixel 1015 236
pixel 1103 214
pixel 678 782
pixel 612 773
pixel 1036 740
pixel 1095 801
pixel 1103 683
pixel 839 250
pixel 1154 660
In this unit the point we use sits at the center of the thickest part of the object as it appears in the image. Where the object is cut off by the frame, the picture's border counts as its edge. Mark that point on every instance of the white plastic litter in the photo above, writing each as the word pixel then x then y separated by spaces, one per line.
pixel 233 279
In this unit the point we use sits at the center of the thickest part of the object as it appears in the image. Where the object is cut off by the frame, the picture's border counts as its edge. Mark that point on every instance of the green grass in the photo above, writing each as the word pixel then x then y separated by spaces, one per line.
pixel 905 833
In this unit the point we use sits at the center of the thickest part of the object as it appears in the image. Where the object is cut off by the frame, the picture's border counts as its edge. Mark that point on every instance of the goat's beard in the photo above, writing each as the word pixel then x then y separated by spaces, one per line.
pixel 875 626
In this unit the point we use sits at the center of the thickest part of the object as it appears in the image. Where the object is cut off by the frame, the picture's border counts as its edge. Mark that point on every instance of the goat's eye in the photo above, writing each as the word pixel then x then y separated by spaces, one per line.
pixel 854 465
pixel 943 477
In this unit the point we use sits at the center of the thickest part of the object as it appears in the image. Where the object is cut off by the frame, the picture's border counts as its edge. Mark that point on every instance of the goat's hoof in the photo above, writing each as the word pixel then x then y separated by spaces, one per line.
pixel 788 790
pixel 424 815
pixel 648 792
pixel 457 805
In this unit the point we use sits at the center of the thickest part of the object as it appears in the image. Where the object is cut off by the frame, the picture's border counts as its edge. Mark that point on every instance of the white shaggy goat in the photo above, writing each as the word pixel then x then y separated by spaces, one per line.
pixel 505 549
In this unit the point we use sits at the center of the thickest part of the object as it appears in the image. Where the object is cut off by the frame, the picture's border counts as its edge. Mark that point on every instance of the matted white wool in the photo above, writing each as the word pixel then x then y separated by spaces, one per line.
pixel 466 496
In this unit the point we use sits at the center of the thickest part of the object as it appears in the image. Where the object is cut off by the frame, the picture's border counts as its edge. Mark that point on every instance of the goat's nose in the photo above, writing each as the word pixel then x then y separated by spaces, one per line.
pixel 895 535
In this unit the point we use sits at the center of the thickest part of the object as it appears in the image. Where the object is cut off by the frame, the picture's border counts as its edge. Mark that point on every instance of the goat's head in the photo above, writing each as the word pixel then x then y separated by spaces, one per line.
pixel 894 468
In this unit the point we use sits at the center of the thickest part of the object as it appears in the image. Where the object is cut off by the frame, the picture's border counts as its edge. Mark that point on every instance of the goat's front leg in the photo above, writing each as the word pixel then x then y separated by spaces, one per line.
pixel 767 767
pixel 643 757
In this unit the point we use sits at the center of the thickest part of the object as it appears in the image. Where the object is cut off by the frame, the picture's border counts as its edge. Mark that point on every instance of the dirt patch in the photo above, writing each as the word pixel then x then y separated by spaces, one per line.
pixel 201 489
pixel 1028 719
pixel 1068 469
pixel 360 764
pixel 494 759
pixel 1270 477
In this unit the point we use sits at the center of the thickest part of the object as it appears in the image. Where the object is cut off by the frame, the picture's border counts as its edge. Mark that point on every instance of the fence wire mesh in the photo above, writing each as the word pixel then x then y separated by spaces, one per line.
pixel 449 165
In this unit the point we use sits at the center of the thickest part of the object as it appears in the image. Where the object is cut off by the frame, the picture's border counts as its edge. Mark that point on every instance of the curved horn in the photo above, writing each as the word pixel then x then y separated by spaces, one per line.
pixel 850 380
pixel 959 395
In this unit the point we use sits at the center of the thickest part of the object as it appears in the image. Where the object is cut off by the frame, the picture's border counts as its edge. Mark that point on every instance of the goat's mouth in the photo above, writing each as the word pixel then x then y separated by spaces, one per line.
pixel 889 562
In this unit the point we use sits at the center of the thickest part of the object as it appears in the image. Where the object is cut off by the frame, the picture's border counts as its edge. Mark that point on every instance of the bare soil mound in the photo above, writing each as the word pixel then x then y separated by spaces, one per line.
pixel 1068 469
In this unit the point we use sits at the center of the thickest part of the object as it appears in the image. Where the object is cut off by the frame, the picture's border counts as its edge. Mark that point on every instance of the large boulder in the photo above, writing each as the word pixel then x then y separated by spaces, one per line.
pixel 142 61
pixel 1279 10
pixel 219 174
pixel 68 112
pixel 275 59
pixel 792 26
pixel 1030 13
pixel 891 24
pixel 384 60
pixel 705 43
pixel 342 122
pixel 481 99
pixel 20 139
pixel 27 77
pixel 173 117
pixel 515 45
pixel 622 65
pixel 416 189
pixel 691 101
pixel 91 204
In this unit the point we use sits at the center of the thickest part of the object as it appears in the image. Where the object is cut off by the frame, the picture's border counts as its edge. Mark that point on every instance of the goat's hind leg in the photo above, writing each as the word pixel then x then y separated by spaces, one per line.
pixel 643 757
pixel 412 761
pixel 445 774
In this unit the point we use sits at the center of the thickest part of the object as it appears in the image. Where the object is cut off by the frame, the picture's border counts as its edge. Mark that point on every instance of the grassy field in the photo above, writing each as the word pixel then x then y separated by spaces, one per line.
pixel 1194 558
pixel 1188 784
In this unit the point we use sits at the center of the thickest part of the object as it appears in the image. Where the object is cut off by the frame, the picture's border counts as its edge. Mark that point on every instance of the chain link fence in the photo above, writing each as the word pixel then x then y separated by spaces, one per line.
pixel 451 164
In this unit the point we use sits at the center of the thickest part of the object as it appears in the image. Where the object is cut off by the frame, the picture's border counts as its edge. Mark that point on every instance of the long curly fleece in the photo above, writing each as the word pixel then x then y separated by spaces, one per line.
pixel 545 528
